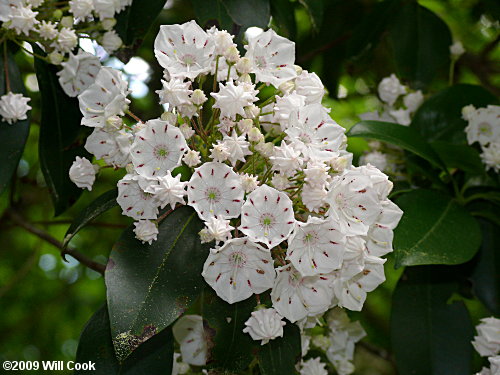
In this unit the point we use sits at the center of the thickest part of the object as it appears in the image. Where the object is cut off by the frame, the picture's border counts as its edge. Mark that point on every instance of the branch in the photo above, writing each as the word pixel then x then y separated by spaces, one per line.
pixel 16 218
pixel 381 353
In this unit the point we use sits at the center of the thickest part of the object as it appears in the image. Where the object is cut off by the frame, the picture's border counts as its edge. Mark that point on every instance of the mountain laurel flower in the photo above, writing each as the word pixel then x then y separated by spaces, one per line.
pixel 264 325
pixel 14 107
pixel 309 85
pixel 190 335
pixel 82 173
pixel 245 125
pixel 22 19
pixel 390 89
pixel 482 124
pixel 217 229
pixel 198 97
pixel 111 41
pixel 222 40
pixel 146 231
pixel 134 201
pixel 47 30
pixel 313 366
pixel 487 342
pixel 78 73
pixel 413 100
pixel 237 147
pixel 220 152
pixel 81 8
pixel 186 130
pixel 66 40
pixel 192 158
pixel 491 156
pixel 175 92
pixel 249 182
pixel 231 99
pixel 170 190
pixel 112 147
pixel 255 135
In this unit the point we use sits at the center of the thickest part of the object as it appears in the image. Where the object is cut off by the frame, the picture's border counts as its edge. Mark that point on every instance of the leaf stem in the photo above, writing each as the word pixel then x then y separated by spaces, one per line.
pixel 6 67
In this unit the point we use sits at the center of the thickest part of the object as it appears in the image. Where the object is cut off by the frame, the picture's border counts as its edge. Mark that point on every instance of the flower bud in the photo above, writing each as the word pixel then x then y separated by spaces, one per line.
pixel 198 97
pixel 252 111
pixel 232 55
pixel 245 125
pixel 254 135
pixel 245 78
pixel 186 130
pixel 55 58
pixel 244 65
pixel 287 87
pixel 57 14
pixel 113 123
pixel 67 21
pixel 169 117
pixel 108 23
pixel 130 168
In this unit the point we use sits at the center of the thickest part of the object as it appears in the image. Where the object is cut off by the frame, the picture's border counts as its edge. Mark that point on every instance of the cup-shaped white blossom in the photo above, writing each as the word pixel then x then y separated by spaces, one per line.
pixel 106 97
pixel 112 147
pixel 189 333
pixel 272 57
pixel 313 366
pixel 380 235
pixel 134 201
pixel 175 92
pixel 215 190
pixel 145 231
pixel 231 99
pixel 267 216
pixel 14 107
pixel 82 173
pixel 239 269
pixel 170 190
pixel 158 148
pixel 389 89
pixel 185 51
pixel 487 342
pixel 310 86
pixel 265 325
pixel 316 247
pixel 483 126
pixel 296 297
pixel 78 73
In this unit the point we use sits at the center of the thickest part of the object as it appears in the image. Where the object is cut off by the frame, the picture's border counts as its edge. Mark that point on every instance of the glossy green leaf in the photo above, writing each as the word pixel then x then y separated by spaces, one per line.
pixel 12 136
pixel 434 230
pixel 397 135
pixel 100 205
pixel 429 335
pixel 150 286
pixel 281 355
pixel 440 117
pixel 463 157
pixel 421 42
pixel 231 349
pixel 249 13
pixel 283 14
pixel 315 8
pixel 486 273
pixel 155 356
pixel 61 136
pixel 212 12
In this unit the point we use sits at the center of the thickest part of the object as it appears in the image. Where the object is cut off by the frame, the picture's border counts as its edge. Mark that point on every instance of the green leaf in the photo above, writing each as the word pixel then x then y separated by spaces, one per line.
pixel 60 136
pixel 153 357
pixel 281 355
pixel 397 135
pixel 100 205
pixel 486 273
pixel 429 335
pixel 440 117
pixel 315 8
pixel 248 13
pixel 231 349
pixel 462 157
pixel 421 42
pixel 212 12
pixel 134 22
pixel 434 229
pixel 13 136
pixel 283 14
pixel 150 286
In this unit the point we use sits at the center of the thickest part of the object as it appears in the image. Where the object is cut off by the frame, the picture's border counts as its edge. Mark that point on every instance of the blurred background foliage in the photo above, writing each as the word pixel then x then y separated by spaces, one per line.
pixel 351 45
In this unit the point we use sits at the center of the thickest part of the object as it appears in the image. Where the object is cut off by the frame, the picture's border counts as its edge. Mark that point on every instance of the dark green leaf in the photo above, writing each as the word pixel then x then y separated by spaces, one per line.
pixel 248 13
pixel 212 12
pixel 397 135
pixel 284 16
pixel 315 8
pixel 153 357
pixel 462 157
pixel 486 274
pixel 100 205
pixel 150 286
pixel 281 355
pixel 60 136
pixel 440 117
pixel 13 136
pixel 421 42
pixel 434 230
pixel 429 335
pixel 231 349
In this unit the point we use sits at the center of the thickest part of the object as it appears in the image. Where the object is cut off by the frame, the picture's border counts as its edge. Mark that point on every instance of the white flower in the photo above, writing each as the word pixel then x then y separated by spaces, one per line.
pixel 237 147
pixel 402 116
pixel 249 182
pixel 82 173
pixel 265 325
pixel 286 159
pixel 313 366
pixel 491 156
pixel 457 49
pixel 179 368
pixel 255 135
pixel 113 148
pixel 192 158
pixel 222 40
pixel 106 8
pixel 244 66
pixel 376 158
pixel 215 190
pixel 175 92
pixel 47 30
pixel 296 297
pixel 189 333
pixel 487 342
pixel 134 201
pixel 309 85
pixel 272 57
pixel 186 130
pixel 413 100
pixel 170 190
pixel 389 89
pixel 157 148
pixel 380 234
pixel 146 231
pixel 66 40
pixel 232 55
pixel 106 97
pixel 239 269
pixel 285 106
pixel 245 125
pixel 111 41
pixel 316 174
pixel 313 197
pixel 494 365
pixel 316 246
pixel 185 51
pixel 231 99
pixel 198 97
pixel 220 152
pixel 81 8
pixel 280 181
pixel 483 125
pixel 217 229
pixel 267 216
pixel 78 73
pixel 14 107
pixel 22 19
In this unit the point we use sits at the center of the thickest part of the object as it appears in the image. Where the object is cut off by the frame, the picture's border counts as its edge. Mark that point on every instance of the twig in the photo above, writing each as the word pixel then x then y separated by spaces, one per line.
pixel 92 224
pixel 381 353
pixel 16 218
pixel 134 116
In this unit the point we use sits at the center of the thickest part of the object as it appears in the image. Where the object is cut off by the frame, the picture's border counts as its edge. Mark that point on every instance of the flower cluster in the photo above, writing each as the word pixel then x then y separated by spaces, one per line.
pixel 270 177
pixel 487 344
pixel 484 127
pixel 14 107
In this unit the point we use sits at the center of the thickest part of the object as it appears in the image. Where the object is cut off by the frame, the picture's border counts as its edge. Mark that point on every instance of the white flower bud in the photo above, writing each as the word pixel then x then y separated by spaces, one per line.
pixel 457 49
pixel 13 107
pixel 170 117
pixel 298 69
pixel 111 41
pixel 108 23
pixel 113 123
pixel 82 173
pixel 265 325
pixel 55 58
pixel 244 66
pixel 129 168
pixel 245 125
pixel 205 236
pixel 467 111
pixel 265 148
pixel 245 78
pixel 146 231
pixel 220 153
pixel 192 158
pixel 287 87
pixel 186 130
pixel 67 21
pixel 198 97
pixel 254 135
pixel 232 55
pixel 252 111
pixel 249 182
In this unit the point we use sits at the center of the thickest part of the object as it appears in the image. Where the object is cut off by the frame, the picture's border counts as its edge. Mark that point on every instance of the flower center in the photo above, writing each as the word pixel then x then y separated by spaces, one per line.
pixel 188 59
pixel 238 259
pixel 212 194
pixel 294 279
pixel 485 128
pixel 310 238
pixel 267 220
pixel 260 61
pixel 160 152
